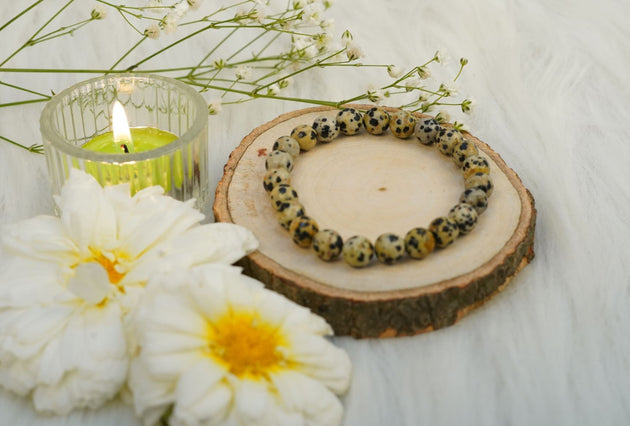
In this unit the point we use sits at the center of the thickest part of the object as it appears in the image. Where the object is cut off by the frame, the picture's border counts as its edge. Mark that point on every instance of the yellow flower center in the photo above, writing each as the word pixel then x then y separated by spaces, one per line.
pixel 110 267
pixel 246 345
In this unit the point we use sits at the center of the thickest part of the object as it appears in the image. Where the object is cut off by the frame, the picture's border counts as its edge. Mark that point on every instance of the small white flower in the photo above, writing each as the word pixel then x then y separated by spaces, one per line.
pixel 328 25
pixel 259 14
pixel 441 56
pixel 468 106
pixel 153 31
pixel 313 13
pixel 273 90
pixel 220 349
pixel 194 4
pixel 219 63
pixel 353 51
pixel 284 83
pixel 376 95
pixel 214 106
pixel 394 71
pixel 70 284
pixel 99 12
pixel 180 9
pixel 346 37
pixel 443 117
pixel 423 72
pixel 243 72
pixel 448 89
pixel 170 23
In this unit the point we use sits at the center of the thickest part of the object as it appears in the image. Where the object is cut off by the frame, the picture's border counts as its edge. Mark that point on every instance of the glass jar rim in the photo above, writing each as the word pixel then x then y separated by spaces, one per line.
pixel 51 134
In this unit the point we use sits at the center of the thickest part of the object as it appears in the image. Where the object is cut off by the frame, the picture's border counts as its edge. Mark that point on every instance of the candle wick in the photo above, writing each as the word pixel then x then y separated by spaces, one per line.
pixel 124 147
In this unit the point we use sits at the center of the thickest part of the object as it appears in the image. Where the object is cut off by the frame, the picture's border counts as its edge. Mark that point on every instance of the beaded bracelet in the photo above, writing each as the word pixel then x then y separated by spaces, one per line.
pixel 389 248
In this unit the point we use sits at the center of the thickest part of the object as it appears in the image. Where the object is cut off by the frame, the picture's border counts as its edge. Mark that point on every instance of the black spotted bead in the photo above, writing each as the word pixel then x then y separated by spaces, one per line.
pixel 279 160
pixel 465 216
pixel 302 230
pixel 326 128
pixel 327 244
pixel 276 177
pixel 476 198
pixel 462 151
pixel 481 181
pixel 402 124
pixel 357 251
pixel 376 120
pixel 426 130
pixel 350 121
pixel 444 230
pixel 287 144
pixel 290 210
pixel 473 165
pixel 419 243
pixel 281 195
pixel 305 136
pixel 389 248
pixel 447 139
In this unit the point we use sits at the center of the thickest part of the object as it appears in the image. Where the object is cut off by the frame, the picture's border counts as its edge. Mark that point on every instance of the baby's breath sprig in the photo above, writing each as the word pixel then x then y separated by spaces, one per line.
pixel 277 46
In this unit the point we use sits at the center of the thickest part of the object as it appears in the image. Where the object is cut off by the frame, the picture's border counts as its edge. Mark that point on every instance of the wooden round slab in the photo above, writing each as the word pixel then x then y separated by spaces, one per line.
pixel 368 185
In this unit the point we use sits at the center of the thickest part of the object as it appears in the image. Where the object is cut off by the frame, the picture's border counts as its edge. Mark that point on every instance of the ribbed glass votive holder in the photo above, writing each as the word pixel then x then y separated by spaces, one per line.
pixel 78 114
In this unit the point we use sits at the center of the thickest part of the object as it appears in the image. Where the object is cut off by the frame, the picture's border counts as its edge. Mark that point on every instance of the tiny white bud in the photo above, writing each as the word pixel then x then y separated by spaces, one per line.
pixel 394 71
pixel 153 31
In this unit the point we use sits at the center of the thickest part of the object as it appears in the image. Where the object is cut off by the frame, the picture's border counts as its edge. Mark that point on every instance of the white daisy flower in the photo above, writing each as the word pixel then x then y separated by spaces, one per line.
pixel 218 348
pixel 69 286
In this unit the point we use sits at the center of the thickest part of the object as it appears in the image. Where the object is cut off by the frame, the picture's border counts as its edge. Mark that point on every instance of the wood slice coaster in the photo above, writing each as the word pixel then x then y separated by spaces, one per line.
pixel 369 185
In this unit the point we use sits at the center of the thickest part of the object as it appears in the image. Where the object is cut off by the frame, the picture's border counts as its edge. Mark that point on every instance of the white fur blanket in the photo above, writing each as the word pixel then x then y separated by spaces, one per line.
pixel 550 78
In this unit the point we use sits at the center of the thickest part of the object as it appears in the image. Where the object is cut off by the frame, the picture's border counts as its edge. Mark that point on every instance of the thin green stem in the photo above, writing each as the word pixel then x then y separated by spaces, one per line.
pixel 28 42
pixel 128 52
pixel 175 43
pixel 24 89
pixel 16 17
pixel 461 68
pixel 30 101
pixel 37 149
pixel 60 32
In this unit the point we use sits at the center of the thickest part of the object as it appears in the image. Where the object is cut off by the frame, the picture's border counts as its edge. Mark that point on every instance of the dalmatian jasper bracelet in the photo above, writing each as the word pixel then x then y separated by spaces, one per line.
pixel 358 251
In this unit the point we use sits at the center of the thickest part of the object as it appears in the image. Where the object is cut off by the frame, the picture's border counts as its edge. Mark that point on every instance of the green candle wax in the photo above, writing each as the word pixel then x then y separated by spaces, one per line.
pixel 143 138
pixel 167 170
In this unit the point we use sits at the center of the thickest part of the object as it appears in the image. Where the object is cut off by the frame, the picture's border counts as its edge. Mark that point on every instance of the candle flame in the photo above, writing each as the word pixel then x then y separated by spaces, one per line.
pixel 120 128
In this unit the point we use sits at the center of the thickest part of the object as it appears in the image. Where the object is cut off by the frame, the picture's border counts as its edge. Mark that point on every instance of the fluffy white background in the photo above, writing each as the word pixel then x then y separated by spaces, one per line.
pixel 551 81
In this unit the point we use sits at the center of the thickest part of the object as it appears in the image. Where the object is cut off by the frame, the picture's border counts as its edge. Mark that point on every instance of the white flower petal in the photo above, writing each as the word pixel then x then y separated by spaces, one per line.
pixel 321 360
pixel 90 282
pixel 202 396
pixel 41 237
pixel 302 394
pixel 151 396
pixel 88 218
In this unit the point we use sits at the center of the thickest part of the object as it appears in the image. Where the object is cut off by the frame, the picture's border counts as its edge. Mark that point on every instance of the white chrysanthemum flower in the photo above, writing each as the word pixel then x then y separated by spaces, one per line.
pixel 220 349
pixel 69 286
